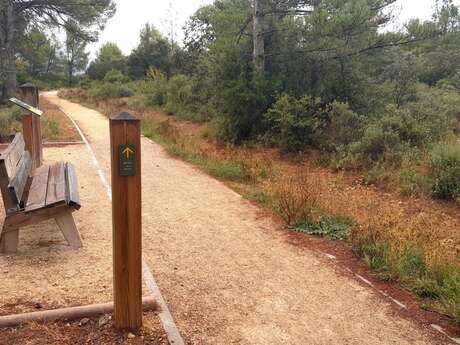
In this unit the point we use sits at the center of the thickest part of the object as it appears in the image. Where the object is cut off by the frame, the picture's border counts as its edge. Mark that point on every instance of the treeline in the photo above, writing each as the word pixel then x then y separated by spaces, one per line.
pixel 29 49
pixel 323 75
pixel 47 62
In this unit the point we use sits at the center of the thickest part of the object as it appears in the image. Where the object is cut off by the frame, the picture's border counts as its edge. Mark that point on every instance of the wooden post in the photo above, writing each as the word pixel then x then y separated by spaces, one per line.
pixel 31 127
pixel 125 146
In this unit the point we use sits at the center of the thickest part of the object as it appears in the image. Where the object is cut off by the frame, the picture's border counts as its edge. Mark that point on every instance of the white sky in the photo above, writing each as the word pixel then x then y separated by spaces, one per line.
pixel 124 27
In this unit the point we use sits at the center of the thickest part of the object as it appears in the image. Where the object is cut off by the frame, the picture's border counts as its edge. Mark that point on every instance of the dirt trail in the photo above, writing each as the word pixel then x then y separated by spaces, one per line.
pixel 226 270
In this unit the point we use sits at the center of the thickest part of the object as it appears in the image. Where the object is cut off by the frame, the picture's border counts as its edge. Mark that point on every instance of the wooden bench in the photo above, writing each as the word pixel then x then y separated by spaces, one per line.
pixel 29 198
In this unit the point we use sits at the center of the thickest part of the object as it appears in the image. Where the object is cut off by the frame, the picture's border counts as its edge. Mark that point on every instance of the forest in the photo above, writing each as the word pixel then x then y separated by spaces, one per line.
pixel 328 84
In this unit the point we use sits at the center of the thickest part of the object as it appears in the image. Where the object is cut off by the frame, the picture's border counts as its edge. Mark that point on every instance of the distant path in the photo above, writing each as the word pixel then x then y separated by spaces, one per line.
pixel 226 271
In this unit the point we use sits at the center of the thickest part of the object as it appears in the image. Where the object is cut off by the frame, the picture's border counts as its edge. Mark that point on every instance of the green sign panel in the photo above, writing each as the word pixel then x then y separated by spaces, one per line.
pixel 127 155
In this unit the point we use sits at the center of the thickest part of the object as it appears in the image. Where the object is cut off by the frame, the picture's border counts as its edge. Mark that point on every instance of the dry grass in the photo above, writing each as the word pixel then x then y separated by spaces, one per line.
pixel 56 127
pixel 297 196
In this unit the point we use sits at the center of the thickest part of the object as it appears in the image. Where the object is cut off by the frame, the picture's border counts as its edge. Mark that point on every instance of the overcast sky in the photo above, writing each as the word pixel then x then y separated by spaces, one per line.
pixel 124 27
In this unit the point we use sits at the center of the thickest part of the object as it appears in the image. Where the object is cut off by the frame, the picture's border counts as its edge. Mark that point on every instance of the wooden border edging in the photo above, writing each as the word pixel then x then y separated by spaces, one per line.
pixel 72 313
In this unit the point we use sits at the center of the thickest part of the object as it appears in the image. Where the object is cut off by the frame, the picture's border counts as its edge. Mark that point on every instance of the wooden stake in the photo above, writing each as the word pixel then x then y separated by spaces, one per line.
pixel 125 145
pixel 31 126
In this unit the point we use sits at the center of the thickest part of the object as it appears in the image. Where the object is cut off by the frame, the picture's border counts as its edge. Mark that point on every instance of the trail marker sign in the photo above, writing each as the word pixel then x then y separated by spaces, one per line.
pixel 125 152
pixel 127 155
pixel 26 106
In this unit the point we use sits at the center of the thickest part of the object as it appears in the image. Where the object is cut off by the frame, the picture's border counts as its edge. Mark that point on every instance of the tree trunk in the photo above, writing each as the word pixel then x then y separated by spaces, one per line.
pixel 258 37
pixel 7 50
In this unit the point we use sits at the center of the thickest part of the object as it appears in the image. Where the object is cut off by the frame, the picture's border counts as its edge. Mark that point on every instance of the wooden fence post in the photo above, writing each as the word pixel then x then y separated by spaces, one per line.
pixel 31 127
pixel 125 146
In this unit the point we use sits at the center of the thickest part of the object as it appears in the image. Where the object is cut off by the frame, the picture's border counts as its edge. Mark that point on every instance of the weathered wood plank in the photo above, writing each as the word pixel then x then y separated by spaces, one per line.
pixel 20 219
pixel 38 188
pixel 18 182
pixel 13 153
pixel 55 192
pixel 72 195
pixel 9 242
pixel 9 204
pixel 31 124
pixel 68 228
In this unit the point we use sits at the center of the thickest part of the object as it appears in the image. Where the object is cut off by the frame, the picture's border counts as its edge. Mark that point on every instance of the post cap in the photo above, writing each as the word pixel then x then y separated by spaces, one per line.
pixel 124 116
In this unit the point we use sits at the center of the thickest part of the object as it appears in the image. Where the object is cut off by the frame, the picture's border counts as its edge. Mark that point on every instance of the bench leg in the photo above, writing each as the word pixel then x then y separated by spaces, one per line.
pixel 67 225
pixel 9 242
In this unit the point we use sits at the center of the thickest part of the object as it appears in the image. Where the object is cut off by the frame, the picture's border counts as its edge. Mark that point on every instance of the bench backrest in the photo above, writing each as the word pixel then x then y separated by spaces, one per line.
pixel 15 169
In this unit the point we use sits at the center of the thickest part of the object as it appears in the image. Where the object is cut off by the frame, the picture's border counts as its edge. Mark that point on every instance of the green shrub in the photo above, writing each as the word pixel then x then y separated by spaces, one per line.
pixel 377 144
pixel 155 88
pixel 343 127
pixel 243 105
pixel 445 171
pixel 115 76
pixel 412 183
pixel 179 94
pixel 108 90
pixel 295 122
pixel 377 175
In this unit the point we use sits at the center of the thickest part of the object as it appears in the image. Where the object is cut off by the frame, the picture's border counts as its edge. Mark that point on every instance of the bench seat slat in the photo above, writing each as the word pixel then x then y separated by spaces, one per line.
pixel 55 192
pixel 38 188
pixel 72 195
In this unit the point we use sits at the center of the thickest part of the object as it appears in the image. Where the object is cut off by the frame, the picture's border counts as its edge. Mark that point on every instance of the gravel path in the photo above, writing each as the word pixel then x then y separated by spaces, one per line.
pixel 226 270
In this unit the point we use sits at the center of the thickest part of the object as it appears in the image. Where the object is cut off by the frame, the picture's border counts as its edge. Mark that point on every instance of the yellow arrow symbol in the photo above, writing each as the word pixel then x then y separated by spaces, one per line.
pixel 128 152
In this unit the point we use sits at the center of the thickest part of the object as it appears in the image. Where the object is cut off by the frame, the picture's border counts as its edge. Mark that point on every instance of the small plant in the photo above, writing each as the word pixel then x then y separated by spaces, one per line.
pixel 333 227
pixel 378 175
pixel 445 171
pixel 297 197
pixel 412 183
pixel 50 128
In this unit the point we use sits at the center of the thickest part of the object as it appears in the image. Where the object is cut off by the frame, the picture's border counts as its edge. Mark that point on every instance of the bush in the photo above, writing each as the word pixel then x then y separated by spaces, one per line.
pixel 115 76
pixel 155 87
pixel 244 103
pixel 399 130
pixel 412 183
pixel 445 170
pixel 107 90
pixel 179 94
pixel 343 127
pixel 376 144
pixel 295 122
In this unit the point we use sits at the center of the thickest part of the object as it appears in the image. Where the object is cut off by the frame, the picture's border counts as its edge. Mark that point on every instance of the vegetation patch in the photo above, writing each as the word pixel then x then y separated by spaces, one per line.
pixel 445 170
pixel 333 227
